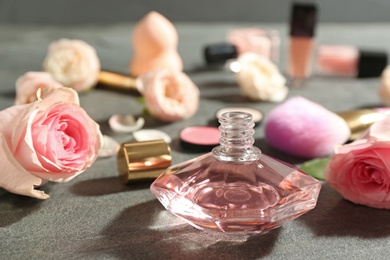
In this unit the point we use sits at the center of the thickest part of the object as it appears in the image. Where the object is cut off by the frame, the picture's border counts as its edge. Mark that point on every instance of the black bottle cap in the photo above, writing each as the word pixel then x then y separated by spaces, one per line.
pixel 371 63
pixel 219 53
pixel 303 19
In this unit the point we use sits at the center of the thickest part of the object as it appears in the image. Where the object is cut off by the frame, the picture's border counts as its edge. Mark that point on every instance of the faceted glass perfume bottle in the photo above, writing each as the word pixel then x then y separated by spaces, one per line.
pixel 236 188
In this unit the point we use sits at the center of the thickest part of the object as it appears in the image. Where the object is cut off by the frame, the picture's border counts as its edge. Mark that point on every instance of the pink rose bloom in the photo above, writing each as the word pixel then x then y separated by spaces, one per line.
pixel 74 63
pixel 360 171
pixel 52 139
pixel 169 95
pixel 28 84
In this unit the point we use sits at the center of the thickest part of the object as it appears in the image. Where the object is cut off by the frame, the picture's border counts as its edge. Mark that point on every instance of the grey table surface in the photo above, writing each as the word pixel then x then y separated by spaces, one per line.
pixel 96 216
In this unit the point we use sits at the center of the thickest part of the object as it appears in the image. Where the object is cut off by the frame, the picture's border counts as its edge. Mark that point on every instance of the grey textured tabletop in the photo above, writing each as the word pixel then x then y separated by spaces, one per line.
pixel 96 216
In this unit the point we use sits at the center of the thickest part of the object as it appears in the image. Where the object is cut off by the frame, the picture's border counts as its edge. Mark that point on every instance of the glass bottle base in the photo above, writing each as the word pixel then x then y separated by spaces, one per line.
pixel 247 198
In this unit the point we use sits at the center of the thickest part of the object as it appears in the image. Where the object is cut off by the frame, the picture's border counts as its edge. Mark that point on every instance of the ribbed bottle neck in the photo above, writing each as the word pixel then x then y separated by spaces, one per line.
pixel 236 142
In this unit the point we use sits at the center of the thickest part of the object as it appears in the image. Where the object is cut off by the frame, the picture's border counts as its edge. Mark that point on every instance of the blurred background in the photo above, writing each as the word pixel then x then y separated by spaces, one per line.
pixel 113 11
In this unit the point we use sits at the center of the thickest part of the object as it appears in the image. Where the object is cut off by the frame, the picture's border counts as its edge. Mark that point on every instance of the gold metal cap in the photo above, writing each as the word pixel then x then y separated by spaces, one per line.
pixel 141 161
pixel 359 121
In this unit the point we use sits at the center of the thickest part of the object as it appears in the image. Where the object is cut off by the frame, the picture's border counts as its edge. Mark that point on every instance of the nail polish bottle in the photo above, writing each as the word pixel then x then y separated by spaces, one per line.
pixel 235 188
pixel 345 60
pixel 301 45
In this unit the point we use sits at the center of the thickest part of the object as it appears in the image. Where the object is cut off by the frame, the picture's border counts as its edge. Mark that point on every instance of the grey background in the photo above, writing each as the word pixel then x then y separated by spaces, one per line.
pixel 96 216
pixel 104 11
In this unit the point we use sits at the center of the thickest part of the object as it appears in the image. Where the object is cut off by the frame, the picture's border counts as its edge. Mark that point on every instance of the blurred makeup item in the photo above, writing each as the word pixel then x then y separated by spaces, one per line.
pixel 361 119
pixel 219 54
pixel 263 42
pixel 155 41
pixel 119 81
pixel 142 161
pixel 257 115
pixel 384 88
pixel 304 128
pixel 345 60
pixel 302 31
pixel 199 138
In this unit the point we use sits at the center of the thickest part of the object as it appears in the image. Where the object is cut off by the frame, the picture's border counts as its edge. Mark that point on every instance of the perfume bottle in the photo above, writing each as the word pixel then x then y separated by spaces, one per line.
pixel 235 188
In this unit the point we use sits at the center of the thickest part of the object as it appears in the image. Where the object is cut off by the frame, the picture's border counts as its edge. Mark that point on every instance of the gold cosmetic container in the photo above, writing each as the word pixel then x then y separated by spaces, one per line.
pixel 360 120
pixel 143 161
pixel 119 81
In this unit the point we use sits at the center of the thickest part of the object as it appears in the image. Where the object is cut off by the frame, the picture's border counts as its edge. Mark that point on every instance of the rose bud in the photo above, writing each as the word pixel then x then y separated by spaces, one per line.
pixel 51 139
pixel 28 84
pixel 169 95
pixel 260 79
pixel 74 63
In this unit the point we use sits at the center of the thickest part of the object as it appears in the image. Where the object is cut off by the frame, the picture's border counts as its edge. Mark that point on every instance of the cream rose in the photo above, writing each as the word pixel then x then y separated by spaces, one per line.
pixel 360 171
pixel 51 139
pixel 169 95
pixel 28 84
pixel 259 79
pixel 74 63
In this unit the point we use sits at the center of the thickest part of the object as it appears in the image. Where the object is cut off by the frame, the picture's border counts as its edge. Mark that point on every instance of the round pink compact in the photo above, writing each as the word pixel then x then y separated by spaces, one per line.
pixel 200 138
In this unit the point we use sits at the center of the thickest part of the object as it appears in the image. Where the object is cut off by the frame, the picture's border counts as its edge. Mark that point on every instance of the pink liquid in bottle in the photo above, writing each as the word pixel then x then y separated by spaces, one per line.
pixel 236 188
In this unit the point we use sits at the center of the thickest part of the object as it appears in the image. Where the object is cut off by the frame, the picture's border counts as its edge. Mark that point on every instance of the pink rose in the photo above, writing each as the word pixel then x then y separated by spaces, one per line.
pixel 360 171
pixel 52 139
pixel 74 63
pixel 28 84
pixel 169 95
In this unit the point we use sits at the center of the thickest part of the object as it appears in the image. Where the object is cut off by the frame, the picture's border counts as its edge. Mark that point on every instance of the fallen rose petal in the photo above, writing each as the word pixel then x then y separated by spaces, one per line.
pixel 151 134
pixel 125 123
pixel 109 148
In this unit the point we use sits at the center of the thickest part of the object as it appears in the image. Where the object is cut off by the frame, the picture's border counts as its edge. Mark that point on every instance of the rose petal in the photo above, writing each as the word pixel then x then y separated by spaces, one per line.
pixel 151 134
pixel 125 123
pixel 14 178
pixel 110 147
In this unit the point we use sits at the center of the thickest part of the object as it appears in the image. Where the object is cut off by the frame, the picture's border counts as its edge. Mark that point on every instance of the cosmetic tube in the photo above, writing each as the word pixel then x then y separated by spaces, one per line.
pixel 345 60
pixel 301 45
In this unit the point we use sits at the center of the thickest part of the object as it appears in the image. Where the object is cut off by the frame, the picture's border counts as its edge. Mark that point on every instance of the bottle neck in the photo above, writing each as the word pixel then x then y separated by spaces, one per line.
pixel 236 142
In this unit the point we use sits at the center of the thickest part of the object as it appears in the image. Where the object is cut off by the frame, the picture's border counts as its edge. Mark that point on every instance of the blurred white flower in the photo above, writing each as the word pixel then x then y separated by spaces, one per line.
pixel 260 79
pixel 74 63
